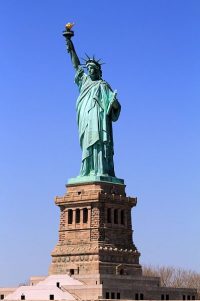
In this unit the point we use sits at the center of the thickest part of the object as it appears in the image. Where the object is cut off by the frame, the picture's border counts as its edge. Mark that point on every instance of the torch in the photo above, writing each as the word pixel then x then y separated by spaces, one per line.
pixel 68 34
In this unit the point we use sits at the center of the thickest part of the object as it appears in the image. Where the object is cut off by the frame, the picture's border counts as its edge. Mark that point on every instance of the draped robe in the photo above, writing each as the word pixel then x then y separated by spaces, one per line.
pixel 96 108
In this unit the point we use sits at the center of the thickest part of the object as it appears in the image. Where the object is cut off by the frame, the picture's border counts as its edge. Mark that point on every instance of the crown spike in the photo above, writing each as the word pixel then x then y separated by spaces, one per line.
pixel 83 59
pixel 87 56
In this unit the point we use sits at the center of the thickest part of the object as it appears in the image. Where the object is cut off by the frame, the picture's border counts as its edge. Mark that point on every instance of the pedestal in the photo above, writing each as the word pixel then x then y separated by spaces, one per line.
pixel 95 246
pixel 95 235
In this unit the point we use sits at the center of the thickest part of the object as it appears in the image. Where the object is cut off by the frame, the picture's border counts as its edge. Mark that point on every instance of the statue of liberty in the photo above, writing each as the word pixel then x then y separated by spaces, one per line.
pixel 97 107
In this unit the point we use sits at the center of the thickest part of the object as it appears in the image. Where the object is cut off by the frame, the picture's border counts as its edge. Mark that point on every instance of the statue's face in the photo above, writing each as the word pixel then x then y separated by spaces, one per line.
pixel 93 72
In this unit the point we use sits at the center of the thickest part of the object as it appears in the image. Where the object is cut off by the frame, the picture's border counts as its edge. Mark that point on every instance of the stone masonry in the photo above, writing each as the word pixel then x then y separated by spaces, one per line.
pixel 95 246
pixel 95 234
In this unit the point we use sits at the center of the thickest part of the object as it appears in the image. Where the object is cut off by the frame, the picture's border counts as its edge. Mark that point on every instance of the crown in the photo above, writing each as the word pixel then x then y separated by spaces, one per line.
pixel 92 60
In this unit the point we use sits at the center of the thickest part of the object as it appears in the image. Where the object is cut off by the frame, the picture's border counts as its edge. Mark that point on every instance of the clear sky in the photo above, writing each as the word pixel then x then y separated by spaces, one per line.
pixel 152 53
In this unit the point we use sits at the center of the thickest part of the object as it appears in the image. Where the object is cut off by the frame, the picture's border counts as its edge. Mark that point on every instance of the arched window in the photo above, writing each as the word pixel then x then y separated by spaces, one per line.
pixel 77 216
pixel 115 216
pixel 85 215
pixel 70 216
pixel 109 220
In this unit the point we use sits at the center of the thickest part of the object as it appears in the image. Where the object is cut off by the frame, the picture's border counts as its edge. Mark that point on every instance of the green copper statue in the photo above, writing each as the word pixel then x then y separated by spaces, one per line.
pixel 97 107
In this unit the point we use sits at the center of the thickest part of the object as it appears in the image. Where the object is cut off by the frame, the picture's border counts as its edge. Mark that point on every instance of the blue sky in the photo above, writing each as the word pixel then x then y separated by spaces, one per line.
pixel 151 51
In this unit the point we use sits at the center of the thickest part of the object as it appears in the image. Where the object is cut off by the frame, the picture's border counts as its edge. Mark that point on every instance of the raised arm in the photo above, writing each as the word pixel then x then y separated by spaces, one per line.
pixel 71 50
pixel 68 34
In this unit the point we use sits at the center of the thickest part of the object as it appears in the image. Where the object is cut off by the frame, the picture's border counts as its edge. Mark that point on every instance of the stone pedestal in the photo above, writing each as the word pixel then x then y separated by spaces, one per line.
pixel 95 235
pixel 95 246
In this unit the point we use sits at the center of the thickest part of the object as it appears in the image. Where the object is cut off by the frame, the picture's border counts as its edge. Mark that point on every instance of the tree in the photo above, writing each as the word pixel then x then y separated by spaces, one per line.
pixel 174 277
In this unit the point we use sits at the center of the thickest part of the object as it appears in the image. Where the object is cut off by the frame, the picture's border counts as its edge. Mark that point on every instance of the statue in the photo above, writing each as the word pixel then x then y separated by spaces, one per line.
pixel 97 107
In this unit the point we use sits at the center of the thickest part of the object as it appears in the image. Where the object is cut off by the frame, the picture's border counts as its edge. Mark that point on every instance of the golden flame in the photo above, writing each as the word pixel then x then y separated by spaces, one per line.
pixel 69 25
